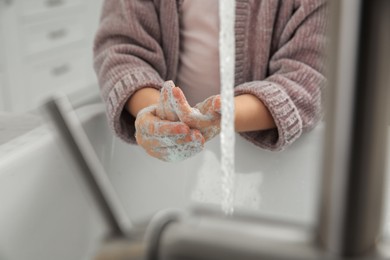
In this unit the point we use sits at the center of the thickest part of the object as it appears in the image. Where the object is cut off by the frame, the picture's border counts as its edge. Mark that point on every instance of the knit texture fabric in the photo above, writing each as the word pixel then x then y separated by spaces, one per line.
pixel 279 59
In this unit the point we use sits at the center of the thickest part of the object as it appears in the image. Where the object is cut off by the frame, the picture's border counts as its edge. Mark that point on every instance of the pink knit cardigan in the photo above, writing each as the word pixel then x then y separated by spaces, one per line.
pixel 279 59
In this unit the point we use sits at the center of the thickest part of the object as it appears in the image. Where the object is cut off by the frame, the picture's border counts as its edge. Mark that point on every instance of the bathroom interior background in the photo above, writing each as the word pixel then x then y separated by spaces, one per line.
pixel 45 47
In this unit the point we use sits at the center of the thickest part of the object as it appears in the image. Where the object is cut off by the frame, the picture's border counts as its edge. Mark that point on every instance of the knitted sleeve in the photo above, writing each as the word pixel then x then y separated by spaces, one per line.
pixel 127 57
pixel 293 90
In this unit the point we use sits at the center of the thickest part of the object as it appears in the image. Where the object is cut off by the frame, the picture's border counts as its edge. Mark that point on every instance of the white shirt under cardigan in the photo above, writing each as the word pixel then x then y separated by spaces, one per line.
pixel 198 72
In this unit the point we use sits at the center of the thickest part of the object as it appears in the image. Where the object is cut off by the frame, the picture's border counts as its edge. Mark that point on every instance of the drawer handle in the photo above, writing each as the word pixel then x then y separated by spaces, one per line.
pixel 54 3
pixel 60 70
pixel 57 34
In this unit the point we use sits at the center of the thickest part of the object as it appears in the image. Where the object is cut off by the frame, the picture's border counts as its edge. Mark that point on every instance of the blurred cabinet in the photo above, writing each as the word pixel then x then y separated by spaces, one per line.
pixel 2 106
pixel 46 47
pixel 2 93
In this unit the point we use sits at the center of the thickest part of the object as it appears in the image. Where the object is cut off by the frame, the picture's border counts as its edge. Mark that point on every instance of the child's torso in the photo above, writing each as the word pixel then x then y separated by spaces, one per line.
pixel 198 71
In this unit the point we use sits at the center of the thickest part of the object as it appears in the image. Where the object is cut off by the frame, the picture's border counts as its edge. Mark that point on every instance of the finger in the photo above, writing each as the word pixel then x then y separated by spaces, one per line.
pixel 165 110
pixel 160 111
pixel 179 102
pixel 193 137
pixel 169 83
pixel 168 128
pixel 153 125
pixel 190 116
pixel 211 132
pixel 181 144
pixel 210 105
pixel 169 111
pixel 187 147
pixel 173 150
pixel 217 104
pixel 149 124
pixel 150 142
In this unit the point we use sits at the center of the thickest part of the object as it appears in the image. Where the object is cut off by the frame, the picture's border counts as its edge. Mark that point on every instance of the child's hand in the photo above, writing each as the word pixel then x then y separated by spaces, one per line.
pixel 210 121
pixel 166 140
pixel 166 108
pixel 205 116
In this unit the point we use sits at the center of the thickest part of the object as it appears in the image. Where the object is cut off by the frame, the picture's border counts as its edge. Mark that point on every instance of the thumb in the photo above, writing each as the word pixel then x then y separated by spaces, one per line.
pixel 210 105
pixel 217 104
pixel 180 103
pixel 164 109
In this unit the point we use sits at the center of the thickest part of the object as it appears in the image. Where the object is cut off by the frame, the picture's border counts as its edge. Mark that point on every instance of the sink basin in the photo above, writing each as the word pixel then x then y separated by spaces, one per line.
pixel 45 213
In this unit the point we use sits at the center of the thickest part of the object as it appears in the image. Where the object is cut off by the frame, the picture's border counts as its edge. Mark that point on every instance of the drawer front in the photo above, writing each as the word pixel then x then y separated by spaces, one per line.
pixel 47 36
pixel 40 7
pixel 2 96
pixel 2 46
pixel 65 73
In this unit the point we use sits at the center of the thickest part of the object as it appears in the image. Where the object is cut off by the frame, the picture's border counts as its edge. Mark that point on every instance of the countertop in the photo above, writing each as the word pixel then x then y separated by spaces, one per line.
pixel 14 125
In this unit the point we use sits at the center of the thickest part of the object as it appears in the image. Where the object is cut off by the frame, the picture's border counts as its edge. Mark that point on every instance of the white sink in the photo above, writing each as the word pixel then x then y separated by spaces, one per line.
pixel 44 213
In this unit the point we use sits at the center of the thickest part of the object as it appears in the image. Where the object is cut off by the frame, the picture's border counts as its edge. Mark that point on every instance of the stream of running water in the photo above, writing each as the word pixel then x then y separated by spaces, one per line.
pixel 227 59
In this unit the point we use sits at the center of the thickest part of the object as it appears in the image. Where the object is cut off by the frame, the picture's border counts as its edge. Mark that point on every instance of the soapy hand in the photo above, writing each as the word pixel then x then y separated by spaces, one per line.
pixel 210 122
pixel 205 116
pixel 166 107
pixel 166 140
